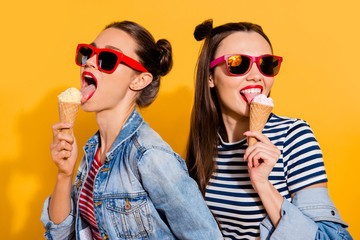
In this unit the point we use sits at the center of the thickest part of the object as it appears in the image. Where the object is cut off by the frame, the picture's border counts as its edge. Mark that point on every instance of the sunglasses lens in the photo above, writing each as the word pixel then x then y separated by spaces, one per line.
pixel 84 53
pixel 269 65
pixel 238 64
pixel 107 60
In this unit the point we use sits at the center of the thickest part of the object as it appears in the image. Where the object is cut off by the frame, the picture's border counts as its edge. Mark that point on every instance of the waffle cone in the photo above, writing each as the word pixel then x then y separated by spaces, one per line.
pixel 259 115
pixel 67 113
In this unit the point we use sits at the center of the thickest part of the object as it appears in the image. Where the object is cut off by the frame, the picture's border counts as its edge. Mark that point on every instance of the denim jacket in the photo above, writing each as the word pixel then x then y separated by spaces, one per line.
pixel 311 215
pixel 143 191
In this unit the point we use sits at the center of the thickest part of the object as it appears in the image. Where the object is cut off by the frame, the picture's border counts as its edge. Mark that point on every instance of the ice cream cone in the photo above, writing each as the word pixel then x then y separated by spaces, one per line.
pixel 67 113
pixel 259 113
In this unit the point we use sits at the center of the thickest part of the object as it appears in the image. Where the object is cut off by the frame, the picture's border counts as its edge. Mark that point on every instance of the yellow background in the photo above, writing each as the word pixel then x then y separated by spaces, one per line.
pixel 319 82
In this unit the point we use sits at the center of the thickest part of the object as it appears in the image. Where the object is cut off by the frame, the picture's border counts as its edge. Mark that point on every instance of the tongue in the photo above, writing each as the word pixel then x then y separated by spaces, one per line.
pixel 87 92
pixel 250 96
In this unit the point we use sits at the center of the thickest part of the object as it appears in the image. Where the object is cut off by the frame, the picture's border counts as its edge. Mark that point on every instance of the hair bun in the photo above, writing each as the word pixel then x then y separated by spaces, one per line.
pixel 165 56
pixel 204 29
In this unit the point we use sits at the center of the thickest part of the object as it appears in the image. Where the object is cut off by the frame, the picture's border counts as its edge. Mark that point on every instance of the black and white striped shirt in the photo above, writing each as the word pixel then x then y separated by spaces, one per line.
pixel 230 194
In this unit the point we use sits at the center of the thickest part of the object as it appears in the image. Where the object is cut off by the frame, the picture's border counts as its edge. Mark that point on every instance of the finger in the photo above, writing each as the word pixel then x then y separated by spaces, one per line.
pixel 59 157
pixel 250 164
pixel 258 135
pixel 65 137
pixel 57 127
pixel 64 154
pixel 59 147
pixel 269 147
pixel 61 136
pixel 260 154
pixel 250 150
pixel 63 145
pixel 257 159
pixel 269 150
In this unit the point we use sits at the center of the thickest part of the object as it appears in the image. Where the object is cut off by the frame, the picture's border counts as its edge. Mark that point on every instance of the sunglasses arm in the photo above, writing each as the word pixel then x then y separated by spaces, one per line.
pixel 133 63
pixel 217 61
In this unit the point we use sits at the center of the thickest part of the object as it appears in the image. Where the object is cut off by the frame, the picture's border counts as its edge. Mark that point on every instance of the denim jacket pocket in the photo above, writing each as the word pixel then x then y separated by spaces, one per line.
pixel 130 217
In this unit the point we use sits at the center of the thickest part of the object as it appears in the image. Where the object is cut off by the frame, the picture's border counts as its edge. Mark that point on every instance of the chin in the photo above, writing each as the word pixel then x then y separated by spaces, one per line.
pixel 86 108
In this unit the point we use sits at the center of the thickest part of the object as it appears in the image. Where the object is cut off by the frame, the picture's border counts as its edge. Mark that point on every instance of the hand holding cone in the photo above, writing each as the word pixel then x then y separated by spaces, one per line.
pixel 260 109
pixel 69 103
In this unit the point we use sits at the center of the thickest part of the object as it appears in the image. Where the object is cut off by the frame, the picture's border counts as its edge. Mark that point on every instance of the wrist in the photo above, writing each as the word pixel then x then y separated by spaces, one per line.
pixel 262 186
pixel 64 176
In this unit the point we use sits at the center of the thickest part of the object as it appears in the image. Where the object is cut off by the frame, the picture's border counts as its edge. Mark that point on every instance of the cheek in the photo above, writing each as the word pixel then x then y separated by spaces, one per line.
pixel 268 82
pixel 121 77
pixel 223 81
pixel 228 90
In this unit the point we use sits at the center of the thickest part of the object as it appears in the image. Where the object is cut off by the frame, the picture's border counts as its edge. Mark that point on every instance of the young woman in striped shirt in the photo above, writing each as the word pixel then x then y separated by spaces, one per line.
pixel 129 184
pixel 268 190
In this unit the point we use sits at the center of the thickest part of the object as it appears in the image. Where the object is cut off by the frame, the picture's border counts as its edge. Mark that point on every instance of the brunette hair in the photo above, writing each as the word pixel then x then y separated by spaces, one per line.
pixel 206 120
pixel 156 57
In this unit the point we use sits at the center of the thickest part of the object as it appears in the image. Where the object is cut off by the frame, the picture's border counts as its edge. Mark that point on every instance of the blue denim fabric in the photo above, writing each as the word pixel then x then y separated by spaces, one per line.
pixel 311 215
pixel 143 171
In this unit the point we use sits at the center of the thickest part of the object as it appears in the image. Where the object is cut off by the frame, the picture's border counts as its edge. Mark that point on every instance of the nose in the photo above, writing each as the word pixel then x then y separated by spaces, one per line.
pixel 254 74
pixel 91 62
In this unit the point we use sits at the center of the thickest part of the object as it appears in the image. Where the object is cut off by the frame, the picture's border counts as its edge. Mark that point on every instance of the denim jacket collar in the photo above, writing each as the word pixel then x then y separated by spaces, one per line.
pixel 131 125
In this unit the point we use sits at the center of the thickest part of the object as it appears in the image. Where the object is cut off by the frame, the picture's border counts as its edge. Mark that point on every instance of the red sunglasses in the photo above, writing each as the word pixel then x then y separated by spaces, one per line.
pixel 107 60
pixel 240 64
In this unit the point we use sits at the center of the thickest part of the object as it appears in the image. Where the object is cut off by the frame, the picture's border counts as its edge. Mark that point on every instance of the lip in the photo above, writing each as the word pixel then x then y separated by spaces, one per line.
pixel 250 87
pixel 84 83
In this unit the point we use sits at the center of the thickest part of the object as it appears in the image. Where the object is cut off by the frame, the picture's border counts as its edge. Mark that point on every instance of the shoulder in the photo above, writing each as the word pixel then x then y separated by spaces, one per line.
pixel 152 148
pixel 281 121
pixel 285 125
pixel 149 141
pixel 147 138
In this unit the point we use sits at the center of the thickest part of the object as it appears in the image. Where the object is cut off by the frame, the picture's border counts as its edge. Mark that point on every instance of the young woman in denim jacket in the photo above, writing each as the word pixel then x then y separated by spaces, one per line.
pixel 142 189
pixel 275 189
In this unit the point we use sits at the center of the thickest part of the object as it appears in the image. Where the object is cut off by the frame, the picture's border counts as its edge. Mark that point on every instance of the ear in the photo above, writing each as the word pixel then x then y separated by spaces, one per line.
pixel 141 81
pixel 211 81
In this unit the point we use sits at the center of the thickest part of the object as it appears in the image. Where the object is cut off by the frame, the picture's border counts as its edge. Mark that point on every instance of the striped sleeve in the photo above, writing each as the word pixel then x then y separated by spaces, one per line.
pixel 302 157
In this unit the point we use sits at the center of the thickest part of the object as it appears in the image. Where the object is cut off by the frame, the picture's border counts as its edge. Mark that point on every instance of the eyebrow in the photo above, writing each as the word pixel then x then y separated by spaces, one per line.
pixel 107 46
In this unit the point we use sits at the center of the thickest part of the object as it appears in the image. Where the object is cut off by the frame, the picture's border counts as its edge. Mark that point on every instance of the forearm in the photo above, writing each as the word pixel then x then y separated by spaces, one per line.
pixel 271 199
pixel 60 202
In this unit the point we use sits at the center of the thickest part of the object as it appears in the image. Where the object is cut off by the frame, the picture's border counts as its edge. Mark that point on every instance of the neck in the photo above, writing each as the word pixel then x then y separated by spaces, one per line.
pixel 110 123
pixel 235 127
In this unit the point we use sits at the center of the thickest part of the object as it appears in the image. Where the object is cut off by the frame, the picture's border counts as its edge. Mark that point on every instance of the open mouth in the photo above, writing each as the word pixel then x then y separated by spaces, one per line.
pixel 88 86
pixel 249 92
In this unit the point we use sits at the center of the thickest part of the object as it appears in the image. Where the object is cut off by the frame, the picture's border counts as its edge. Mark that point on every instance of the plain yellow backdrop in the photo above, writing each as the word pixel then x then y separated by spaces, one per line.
pixel 319 82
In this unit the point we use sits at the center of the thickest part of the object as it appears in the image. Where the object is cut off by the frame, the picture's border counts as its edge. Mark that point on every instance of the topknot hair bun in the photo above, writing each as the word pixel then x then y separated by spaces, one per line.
pixel 165 52
pixel 203 30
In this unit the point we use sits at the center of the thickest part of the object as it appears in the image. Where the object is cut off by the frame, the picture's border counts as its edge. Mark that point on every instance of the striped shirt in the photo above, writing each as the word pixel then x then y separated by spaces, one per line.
pixel 86 203
pixel 230 195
